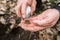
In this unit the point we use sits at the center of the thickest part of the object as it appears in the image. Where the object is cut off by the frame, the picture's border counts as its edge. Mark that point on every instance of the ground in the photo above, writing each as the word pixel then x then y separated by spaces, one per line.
pixel 9 21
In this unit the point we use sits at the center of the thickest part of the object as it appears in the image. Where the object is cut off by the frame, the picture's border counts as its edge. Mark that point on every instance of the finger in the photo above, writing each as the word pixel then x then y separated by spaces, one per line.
pixel 18 12
pixel 23 22
pixel 33 6
pixel 32 28
pixel 50 16
pixel 23 10
pixel 18 9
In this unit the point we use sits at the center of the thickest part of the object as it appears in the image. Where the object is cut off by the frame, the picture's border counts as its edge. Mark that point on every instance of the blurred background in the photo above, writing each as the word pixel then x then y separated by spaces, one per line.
pixel 9 22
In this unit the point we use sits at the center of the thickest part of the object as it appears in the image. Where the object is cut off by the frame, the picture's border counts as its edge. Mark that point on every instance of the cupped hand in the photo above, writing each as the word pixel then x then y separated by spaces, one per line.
pixel 45 20
pixel 21 7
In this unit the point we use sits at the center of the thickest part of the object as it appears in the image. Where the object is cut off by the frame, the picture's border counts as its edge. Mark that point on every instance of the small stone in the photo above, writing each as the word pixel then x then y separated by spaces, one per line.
pixel 58 26
pixel 2 20
pixel 4 1
pixel 58 37
pixel 12 10
pixel 1 12
pixel 12 5
pixel 12 21
pixel 3 7
pixel 49 31
pixel 12 26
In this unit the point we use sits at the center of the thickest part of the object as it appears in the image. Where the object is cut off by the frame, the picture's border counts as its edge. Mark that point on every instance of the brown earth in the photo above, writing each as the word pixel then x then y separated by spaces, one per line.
pixel 9 21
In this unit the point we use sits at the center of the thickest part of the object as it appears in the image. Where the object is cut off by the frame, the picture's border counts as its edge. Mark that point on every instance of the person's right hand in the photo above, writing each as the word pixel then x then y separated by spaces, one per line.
pixel 21 7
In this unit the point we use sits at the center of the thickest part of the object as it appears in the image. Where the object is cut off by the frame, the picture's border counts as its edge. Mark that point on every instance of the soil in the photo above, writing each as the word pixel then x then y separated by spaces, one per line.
pixel 9 22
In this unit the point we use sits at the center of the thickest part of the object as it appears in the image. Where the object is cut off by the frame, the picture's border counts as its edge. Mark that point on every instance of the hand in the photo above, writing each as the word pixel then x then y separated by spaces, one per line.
pixel 45 20
pixel 30 27
pixel 21 7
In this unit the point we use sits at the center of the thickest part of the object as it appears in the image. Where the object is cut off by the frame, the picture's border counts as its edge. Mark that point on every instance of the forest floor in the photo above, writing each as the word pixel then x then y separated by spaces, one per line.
pixel 9 21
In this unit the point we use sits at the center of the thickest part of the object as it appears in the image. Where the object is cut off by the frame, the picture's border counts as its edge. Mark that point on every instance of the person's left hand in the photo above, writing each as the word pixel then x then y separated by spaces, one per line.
pixel 45 20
